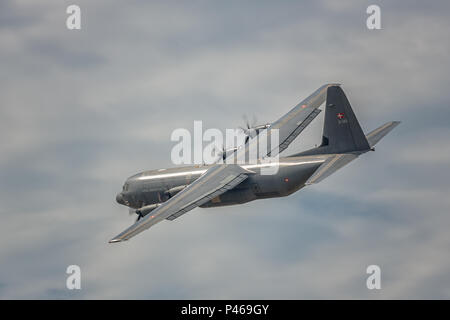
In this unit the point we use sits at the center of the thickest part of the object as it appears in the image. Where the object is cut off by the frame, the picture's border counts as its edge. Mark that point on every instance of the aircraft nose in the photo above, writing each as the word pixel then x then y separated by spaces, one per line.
pixel 119 198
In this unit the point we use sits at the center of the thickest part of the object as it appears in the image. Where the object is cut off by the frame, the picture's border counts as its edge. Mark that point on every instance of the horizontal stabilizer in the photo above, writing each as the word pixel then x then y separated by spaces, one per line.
pixel 377 134
pixel 331 165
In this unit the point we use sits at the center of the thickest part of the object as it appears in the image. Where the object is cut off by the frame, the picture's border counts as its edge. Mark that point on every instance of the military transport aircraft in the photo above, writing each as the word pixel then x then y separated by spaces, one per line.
pixel 169 193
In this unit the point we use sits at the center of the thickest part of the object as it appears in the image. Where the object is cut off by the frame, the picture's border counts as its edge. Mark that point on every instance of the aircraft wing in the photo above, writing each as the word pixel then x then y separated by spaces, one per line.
pixel 376 135
pixel 330 166
pixel 290 125
pixel 216 180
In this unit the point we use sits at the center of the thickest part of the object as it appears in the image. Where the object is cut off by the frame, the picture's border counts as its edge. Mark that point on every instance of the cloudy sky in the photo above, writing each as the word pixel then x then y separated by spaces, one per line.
pixel 80 111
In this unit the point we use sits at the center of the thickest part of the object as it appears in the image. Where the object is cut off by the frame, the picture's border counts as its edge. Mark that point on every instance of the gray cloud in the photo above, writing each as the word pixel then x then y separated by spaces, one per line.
pixel 82 110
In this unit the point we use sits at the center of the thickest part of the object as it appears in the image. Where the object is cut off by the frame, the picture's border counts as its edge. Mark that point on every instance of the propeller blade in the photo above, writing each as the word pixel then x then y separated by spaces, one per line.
pixel 246 121
pixel 139 217
pixel 254 120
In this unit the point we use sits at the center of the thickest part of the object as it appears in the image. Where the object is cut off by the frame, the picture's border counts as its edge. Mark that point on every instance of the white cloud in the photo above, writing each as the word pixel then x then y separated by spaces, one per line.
pixel 81 112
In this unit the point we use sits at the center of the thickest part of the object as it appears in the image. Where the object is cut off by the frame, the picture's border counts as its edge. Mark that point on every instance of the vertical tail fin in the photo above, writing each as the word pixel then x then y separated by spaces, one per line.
pixel 341 130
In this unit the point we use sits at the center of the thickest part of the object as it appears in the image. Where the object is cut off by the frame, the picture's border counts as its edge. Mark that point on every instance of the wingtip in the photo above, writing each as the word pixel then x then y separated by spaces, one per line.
pixel 393 124
pixel 115 240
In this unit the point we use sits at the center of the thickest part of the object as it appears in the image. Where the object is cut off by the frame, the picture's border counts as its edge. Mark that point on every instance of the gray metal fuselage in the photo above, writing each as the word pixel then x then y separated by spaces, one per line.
pixel 157 186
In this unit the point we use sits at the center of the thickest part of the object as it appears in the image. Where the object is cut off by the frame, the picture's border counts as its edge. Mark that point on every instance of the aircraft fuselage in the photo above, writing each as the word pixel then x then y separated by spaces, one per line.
pixel 157 186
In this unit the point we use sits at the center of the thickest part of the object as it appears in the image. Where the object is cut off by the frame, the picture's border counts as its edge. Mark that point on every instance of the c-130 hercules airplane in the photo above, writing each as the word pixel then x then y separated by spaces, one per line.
pixel 169 193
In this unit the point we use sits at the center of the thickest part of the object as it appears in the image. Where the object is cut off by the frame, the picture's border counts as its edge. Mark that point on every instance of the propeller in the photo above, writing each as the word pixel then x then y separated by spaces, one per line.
pixel 144 210
pixel 132 212
pixel 139 217
pixel 247 128
pixel 251 129
pixel 222 153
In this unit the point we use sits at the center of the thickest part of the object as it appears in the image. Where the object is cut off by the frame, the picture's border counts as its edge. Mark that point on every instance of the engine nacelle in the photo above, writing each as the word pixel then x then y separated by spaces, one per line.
pixel 173 191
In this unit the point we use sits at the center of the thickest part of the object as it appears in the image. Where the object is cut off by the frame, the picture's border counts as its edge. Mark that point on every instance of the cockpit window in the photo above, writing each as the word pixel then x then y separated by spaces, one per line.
pixel 125 187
